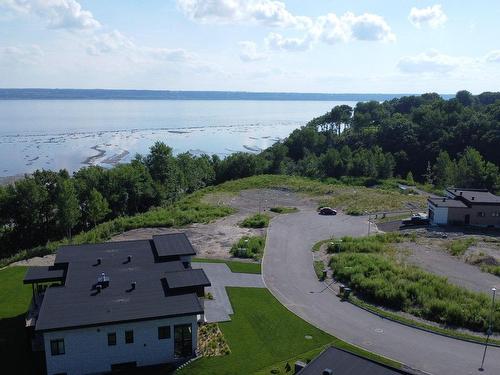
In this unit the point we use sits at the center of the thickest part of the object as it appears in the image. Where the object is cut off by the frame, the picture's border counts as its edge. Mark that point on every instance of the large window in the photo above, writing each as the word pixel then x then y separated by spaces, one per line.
pixel 481 214
pixel 57 347
pixel 112 339
pixel 163 332
pixel 183 340
pixel 129 337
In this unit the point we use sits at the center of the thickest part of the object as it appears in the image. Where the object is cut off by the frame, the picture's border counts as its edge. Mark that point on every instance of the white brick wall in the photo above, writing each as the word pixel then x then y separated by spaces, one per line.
pixel 87 350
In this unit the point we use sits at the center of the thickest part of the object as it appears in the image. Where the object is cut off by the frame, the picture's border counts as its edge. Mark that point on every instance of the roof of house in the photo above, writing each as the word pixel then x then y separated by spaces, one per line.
pixel 341 362
pixel 174 244
pixel 44 274
pixel 447 202
pixel 474 196
pixel 132 289
pixel 186 278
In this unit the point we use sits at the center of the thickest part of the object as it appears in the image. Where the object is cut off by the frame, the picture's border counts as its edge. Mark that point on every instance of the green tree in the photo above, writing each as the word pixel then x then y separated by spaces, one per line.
pixel 444 170
pixel 98 207
pixel 68 208
pixel 409 178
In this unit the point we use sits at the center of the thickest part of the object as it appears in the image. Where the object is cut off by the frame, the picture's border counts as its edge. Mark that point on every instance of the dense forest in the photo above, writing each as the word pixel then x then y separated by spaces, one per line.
pixel 423 138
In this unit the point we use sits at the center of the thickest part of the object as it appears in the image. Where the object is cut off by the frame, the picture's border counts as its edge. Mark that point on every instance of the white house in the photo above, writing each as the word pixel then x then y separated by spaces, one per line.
pixel 117 305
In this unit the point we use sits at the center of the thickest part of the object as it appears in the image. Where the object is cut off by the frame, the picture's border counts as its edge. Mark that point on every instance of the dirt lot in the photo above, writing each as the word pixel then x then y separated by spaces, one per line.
pixel 214 240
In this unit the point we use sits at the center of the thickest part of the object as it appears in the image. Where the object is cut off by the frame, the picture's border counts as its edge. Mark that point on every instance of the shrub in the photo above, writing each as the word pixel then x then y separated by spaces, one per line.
pixel 283 210
pixel 256 221
pixel 370 244
pixel 459 247
pixel 380 280
pixel 249 247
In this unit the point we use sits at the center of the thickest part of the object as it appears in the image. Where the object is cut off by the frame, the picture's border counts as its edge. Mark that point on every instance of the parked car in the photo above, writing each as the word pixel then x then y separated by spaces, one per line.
pixel 327 211
pixel 417 219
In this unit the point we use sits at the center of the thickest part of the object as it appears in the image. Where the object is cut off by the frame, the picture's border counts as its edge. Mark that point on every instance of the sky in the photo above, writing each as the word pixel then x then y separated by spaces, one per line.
pixel 330 46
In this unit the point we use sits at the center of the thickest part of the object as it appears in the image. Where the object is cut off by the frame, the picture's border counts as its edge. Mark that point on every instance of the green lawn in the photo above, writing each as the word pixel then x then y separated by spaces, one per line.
pixel 14 301
pixel 264 336
pixel 261 333
pixel 239 267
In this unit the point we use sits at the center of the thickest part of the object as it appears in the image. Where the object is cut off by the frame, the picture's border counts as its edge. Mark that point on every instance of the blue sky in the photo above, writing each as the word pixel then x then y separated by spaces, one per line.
pixel 254 45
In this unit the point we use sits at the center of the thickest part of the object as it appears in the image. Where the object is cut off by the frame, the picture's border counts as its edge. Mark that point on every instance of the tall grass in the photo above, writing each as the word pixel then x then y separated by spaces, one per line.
pixel 256 221
pixel 459 246
pixel 370 244
pixel 407 288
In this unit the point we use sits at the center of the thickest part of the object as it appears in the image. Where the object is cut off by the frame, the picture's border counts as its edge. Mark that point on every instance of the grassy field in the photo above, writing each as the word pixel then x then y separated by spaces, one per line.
pixel 239 267
pixel 14 301
pixel 459 246
pixel 352 199
pixel 263 335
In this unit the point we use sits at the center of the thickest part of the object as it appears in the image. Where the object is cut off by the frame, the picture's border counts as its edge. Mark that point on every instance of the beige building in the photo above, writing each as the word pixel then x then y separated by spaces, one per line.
pixel 474 207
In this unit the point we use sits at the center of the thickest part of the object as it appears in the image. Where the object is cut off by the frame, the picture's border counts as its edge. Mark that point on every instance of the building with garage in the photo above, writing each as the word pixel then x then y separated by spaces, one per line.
pixel 117 305
pixel 476 207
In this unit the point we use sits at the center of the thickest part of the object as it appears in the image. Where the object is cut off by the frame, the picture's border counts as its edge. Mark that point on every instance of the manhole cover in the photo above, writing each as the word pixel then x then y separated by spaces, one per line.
pixel 379 330
pixel 308 337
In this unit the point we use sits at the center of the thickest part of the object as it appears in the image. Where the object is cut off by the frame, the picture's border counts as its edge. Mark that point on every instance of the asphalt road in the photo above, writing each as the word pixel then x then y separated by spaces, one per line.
pixel 289 275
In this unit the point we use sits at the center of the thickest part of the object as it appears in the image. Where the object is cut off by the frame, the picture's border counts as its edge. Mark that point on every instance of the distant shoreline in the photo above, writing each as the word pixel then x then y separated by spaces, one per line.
pixel 105 94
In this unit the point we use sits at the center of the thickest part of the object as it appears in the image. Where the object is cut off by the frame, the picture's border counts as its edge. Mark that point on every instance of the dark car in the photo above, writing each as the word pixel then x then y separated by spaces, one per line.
pixel 417 219
pixel 327 211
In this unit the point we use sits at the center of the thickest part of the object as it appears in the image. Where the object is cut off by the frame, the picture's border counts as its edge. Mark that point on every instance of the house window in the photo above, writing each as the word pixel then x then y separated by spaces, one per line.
pixel 163 332
pixel 481 214
pixel 495 214
pixel 57 347
pixel 183 341
pixel 129 337
pixel 112 339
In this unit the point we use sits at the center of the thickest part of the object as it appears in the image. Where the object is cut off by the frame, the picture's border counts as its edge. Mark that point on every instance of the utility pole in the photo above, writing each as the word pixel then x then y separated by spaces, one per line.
pixel 489 332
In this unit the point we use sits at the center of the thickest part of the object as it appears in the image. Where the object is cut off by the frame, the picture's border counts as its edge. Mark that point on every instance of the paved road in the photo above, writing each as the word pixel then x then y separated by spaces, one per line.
pixel 220 276
pixel 288 273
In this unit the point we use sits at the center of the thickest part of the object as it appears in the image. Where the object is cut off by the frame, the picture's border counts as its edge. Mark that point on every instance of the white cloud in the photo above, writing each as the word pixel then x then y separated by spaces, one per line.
pixel 21 54
pixel 332 29
pixel 432 16
pixel 117 43
pixel 493 56
pixel 59 14
pixel 249 52
pixel 278 42
pixel 266 12
pixel 431 62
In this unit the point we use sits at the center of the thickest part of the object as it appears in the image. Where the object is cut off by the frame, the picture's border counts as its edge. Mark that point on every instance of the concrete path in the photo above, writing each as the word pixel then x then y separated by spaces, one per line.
pixel 219 274
pixel 289 275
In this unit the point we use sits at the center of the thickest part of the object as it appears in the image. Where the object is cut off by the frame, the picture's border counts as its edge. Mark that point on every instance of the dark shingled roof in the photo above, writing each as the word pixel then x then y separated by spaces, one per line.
pixel 447 202
pixel 188 278
pixel 344 363
pixel 79 304
pixel 168 245
pixel 475 196
pixel 44 274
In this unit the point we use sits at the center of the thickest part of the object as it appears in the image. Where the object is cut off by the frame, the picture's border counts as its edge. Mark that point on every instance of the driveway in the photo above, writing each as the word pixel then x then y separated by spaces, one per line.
pixel 220 276
pixel 289 275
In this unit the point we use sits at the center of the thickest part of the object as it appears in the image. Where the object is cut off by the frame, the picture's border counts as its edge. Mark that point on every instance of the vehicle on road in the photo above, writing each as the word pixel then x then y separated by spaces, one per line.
pixel 417 219
pixel 327 211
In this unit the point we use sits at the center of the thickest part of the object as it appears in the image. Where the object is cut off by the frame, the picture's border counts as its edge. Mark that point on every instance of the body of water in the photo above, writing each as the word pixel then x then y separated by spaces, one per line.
pixel 54 134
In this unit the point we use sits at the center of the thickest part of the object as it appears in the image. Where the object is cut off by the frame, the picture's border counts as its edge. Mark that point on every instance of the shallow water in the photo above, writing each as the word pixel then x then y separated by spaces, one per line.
pixel 69 134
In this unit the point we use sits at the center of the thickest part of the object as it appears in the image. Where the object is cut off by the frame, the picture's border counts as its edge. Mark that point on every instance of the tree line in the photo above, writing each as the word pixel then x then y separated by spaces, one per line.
pixel 423 138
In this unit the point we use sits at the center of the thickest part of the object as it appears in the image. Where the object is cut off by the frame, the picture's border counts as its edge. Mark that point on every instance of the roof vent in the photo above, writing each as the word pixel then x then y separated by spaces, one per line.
pixel 129 258
pixel 461 193
pixel 133 285
pixel 98 261
pixel 103 280
pixel 98 288
pixel 327 371
pixel 444 199
pixel 472 198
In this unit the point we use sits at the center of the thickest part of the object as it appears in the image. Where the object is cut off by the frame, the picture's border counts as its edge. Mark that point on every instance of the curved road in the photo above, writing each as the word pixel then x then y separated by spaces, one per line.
pixel 288 273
